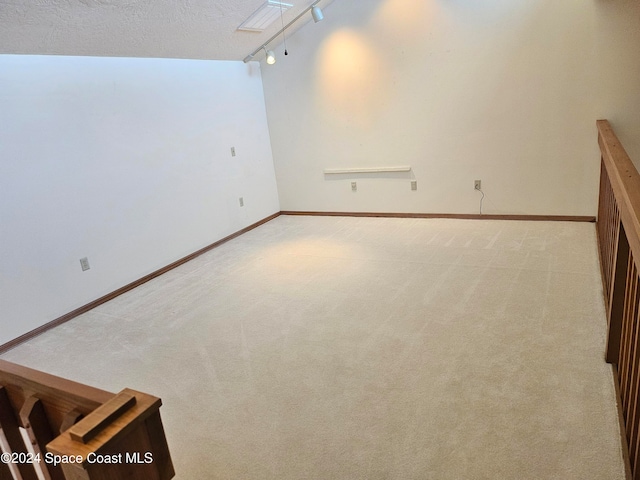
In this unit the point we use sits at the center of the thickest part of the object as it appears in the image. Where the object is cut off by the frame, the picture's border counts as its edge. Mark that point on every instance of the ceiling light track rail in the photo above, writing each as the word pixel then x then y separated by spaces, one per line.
pixel 310 8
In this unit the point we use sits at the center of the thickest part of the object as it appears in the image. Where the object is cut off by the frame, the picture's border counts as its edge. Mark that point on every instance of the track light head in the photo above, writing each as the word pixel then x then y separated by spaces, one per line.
pixel 271 57
pixel 317 14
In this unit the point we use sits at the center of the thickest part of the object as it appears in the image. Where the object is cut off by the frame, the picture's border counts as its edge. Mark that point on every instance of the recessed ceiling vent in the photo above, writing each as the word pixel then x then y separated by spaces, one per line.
pixel 264 16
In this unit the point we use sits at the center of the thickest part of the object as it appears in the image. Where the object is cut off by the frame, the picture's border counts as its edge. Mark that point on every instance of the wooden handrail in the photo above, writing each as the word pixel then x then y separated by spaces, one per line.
pixel 58 395
pixel 625 182
pixel 618 228
pixel 71 425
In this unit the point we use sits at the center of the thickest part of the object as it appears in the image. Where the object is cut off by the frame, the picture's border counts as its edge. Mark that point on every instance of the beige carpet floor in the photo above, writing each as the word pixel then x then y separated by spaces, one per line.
pixel 367 348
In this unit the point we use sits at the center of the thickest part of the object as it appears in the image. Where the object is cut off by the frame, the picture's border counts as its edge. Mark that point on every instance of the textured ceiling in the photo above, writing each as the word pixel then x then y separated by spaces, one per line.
pixel 204 29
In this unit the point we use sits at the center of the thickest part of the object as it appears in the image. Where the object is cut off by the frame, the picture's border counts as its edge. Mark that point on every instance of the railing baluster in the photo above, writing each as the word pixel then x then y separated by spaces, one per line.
pixel 34 419
pixel 5 472
pixel 619 332
pixel 630 328
pixel 631 398
pixel 11 430
pixel 633 314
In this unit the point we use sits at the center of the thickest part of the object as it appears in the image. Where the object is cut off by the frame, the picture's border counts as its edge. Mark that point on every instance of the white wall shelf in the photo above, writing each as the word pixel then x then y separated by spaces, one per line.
pixel 334 171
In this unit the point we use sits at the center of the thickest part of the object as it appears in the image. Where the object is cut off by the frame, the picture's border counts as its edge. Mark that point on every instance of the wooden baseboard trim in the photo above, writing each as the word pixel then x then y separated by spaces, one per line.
pixel 463 216
pixel 110 296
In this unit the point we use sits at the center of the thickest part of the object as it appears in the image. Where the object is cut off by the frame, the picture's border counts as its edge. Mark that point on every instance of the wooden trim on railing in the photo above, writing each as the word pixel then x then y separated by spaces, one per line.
pixel 135 432
pixel 625 182
pixel 19 382
pixel 110 296
pixel 30 380
pixel 104 415
pixel 462 216
pixel 618 228
pixel 126 426
pixel 40 404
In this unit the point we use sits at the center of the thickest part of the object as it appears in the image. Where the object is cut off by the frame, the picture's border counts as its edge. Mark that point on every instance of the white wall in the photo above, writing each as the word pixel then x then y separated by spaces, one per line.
pixel 505 91
pixel 126 162
pixel 618 65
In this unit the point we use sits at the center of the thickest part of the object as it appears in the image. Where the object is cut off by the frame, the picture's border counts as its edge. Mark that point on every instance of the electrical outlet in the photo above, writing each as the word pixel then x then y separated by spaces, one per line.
pixel 414 185
pixel 354 187
pixel 477 185
pixel 233 151
pixel 84 263
pixel 241 201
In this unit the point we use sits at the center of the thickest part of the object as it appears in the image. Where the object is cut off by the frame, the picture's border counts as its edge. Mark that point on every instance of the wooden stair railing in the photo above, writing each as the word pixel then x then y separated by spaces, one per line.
pixel 55 428
pixel 618 228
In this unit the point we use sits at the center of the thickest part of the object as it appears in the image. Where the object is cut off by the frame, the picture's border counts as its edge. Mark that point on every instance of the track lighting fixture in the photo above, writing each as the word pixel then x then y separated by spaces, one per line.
pixel 317 14
pixel 271 57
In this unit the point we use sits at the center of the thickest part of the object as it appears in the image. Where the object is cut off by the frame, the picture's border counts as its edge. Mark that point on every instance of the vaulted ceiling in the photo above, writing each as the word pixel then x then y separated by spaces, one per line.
pixel 199 29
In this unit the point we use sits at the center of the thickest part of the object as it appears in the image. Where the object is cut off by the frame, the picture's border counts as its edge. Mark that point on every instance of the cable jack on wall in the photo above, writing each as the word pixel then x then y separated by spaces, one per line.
pixel 477 185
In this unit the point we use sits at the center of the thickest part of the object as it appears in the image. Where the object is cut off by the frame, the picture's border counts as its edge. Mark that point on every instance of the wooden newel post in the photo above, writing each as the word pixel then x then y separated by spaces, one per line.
pixel 121 439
